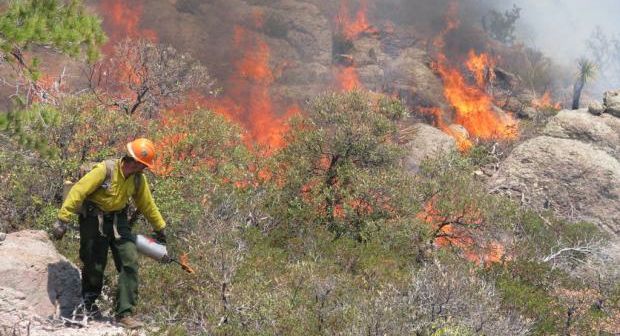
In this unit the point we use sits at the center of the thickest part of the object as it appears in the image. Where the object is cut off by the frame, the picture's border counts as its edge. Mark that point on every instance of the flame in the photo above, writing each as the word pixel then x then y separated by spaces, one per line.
pixel 122 20
pixel 352 28
pixel 347 79
pixel 473 106
pixel 184 262
pixel 346 76
pixel 248 100
pixel 463 144
pixel 545 102
pixel 480 66
pixel 461 236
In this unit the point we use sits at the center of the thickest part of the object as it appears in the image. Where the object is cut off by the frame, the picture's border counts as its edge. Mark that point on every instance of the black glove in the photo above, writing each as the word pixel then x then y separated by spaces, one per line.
pixel 59 229
pixel 160 236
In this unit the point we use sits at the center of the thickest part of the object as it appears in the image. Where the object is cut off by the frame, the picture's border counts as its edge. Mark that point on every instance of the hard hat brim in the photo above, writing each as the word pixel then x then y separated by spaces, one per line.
pixel 133 155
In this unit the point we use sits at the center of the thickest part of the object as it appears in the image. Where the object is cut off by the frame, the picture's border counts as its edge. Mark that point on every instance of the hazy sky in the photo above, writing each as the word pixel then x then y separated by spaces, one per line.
pixel 560 27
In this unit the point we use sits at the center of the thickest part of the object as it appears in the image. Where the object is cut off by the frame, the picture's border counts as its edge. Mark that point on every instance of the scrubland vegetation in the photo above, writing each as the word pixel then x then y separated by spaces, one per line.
pixel 328 235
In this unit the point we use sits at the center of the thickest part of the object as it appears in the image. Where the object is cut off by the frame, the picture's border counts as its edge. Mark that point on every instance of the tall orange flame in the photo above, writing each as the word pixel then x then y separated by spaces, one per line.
pixel 122 20
pixel 352 28
pixel 347 79
pixel 248 99
pixel 480 66
pixel 346 76
pixel 473 106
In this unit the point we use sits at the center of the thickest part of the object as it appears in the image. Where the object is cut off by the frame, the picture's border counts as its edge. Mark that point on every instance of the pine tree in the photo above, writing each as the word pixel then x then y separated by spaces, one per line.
pixel 63 26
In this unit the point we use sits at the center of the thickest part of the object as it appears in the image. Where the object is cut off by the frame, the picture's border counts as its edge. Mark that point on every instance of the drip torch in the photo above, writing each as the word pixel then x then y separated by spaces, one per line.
pixel 152 249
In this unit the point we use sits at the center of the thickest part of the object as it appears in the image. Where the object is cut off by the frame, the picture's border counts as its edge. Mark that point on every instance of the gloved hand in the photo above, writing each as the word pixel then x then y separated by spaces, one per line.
pixel 59 229
pixel 160 236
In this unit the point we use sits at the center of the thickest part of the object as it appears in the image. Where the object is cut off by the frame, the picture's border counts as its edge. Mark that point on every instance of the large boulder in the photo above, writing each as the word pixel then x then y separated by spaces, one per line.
pixel 425 142
pixel 611 102
pixel 49 282
pixel 410 75
pixel 602 131
pixel 37 287
pixel 574 179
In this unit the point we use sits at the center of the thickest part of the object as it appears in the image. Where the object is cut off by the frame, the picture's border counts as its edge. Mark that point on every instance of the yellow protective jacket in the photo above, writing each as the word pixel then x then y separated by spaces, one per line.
pixel 113 197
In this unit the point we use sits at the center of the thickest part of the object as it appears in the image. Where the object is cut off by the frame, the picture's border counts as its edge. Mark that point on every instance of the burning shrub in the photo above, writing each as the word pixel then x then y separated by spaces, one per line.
pixel 460 213
pixel 341 166
pixel 148 76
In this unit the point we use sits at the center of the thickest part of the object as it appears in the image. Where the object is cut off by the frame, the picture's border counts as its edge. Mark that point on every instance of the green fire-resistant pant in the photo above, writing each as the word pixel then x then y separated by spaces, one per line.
pixel 94 255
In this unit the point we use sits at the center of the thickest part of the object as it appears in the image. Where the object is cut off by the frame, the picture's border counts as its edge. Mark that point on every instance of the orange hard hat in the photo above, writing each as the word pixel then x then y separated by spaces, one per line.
pixel 143 151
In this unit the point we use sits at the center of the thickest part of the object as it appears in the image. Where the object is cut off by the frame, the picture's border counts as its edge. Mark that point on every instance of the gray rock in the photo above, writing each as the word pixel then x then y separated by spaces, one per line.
pixel 526 98
pixel 574 179
pixel 460 130
pixel 611 101
pixel 49 282
pixel 367 51
pixel 600 131
pixel 410 76
pixel 372 76
pixel 427 141
pixel 596 108
pixel 512 104
pixel 2 236
pixel 527 112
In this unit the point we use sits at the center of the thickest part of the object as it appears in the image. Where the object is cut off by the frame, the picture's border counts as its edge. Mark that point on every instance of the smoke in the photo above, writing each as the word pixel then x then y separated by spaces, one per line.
pixel 560 28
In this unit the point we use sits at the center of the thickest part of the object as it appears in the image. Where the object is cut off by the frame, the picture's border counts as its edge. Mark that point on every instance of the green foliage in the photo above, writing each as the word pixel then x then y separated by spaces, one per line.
pixel 30 127
pixel 453 331
pixel 27 196
pixel 341 167
pixel 532 300
pixel 456 202
pixel 586 70
pixel 63 26
pixel 260 232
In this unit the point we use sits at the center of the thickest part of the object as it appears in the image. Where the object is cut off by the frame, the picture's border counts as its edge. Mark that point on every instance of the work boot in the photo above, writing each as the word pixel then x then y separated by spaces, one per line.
pixel 129 322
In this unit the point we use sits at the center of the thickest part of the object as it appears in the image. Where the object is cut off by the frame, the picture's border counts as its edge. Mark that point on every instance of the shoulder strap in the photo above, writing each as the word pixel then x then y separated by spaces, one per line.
pixel 109 167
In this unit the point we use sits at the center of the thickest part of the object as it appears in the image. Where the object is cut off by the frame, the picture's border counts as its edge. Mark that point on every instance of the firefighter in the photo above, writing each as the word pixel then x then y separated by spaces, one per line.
pixel 100 198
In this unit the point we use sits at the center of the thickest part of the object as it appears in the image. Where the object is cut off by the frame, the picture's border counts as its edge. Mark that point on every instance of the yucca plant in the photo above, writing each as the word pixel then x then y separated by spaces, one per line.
pixel 587 72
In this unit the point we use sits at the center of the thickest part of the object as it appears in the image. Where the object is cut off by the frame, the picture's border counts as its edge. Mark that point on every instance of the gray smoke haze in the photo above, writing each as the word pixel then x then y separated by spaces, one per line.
pixel 560 28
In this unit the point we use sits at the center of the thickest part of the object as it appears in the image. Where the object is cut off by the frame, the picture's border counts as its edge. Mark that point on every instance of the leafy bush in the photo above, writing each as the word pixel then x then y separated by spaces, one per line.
pixel 340 168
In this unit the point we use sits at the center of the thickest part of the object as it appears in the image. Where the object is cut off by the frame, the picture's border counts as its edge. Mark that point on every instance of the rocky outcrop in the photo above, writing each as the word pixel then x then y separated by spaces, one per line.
pixel 574 179
pixel 596 108
pixel 573 169
pixel 37 287
pixel 426 141
pixel 611 103
pixel 49 282
pixel 603 132
pixel 411 77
